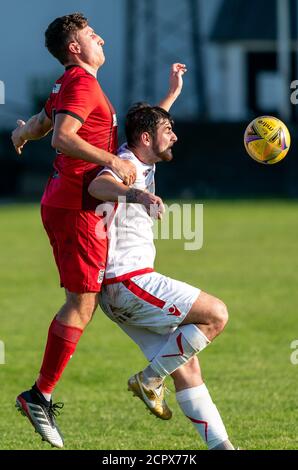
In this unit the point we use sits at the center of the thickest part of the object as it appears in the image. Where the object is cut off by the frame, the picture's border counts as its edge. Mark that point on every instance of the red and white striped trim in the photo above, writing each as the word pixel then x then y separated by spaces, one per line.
pixel 143 294
pixel 199 421
pixel 126 276
pixel 180 347
pixel 126 280
pixel 151 299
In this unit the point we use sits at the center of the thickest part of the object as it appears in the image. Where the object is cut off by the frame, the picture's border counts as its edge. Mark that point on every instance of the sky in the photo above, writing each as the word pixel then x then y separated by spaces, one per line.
pixel 22 50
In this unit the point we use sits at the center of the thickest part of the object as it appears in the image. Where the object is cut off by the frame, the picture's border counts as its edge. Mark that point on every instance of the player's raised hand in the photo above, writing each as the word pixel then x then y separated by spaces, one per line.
pixel 125 170
pixel 176 80
pixel 17 137
pixel 176 84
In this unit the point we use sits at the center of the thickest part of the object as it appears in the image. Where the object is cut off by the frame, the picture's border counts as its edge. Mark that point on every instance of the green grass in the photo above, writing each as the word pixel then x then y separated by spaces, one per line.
pixel 249 259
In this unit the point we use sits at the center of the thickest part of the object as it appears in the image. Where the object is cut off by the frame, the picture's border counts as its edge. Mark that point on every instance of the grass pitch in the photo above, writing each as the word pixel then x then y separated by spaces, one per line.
pixel 249 260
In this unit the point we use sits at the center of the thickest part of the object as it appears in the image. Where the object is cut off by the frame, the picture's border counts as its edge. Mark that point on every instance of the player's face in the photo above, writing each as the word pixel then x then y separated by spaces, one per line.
pixel 163 141
pixel 90 43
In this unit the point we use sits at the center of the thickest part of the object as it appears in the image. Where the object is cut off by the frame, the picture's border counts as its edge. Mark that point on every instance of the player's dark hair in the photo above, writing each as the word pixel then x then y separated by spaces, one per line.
pixel 142 117
pixel 61 31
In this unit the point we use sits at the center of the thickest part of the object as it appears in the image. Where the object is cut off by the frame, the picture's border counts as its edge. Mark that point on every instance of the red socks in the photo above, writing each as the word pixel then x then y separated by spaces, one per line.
pixel 61 344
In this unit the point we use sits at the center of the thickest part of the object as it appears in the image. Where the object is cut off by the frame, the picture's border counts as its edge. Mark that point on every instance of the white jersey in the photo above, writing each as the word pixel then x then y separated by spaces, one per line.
pixel 130 236
pixel 147 305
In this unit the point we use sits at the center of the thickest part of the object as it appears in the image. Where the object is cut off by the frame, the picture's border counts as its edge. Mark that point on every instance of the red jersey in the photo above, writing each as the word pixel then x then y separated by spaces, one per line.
pixel 79 94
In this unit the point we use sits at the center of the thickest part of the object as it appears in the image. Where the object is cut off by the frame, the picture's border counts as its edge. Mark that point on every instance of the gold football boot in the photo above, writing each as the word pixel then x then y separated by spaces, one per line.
pixel 152 397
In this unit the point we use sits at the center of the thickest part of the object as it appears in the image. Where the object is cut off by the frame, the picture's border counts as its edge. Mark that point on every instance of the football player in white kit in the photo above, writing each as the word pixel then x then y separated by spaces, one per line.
pixel 170 320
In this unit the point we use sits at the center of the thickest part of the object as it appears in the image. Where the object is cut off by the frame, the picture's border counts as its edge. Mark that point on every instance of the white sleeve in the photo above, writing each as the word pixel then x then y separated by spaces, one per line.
pixel 108 170
pixel 111 172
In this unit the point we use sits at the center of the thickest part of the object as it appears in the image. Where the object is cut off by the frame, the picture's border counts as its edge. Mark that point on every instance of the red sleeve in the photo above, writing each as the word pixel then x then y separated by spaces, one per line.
pixel 78 97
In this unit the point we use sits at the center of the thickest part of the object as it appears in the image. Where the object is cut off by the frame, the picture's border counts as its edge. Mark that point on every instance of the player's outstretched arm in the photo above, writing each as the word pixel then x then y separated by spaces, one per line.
pixel 35 128
pixel 176 84
pixel 105 188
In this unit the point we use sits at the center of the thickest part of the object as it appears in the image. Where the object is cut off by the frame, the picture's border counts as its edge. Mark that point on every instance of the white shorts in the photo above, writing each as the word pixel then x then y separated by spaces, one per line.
pixel 148 307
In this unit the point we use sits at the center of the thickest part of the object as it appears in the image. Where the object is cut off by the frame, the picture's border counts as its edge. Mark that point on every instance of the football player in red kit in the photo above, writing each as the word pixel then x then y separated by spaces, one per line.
pixel 84 126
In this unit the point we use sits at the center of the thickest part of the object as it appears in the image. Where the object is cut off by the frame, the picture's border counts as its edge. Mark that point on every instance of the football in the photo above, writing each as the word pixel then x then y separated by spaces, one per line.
pixel 267 140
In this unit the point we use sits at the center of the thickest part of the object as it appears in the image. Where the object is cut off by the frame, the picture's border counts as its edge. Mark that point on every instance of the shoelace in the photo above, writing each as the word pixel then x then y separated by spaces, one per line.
pixel 163 388
pixel 54 409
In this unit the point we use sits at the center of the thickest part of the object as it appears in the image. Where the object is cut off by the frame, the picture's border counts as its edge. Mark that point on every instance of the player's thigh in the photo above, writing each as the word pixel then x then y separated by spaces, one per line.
pixel 205 310
pixel 79 253
pixel 152 300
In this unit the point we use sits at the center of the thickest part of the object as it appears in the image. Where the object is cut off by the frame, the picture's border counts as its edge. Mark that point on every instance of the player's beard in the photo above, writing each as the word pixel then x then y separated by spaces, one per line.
pixel 164 155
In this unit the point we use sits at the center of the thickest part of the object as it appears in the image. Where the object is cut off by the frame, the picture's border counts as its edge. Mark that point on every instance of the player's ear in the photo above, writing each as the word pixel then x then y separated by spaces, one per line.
pixel 146 139
pixel 74 47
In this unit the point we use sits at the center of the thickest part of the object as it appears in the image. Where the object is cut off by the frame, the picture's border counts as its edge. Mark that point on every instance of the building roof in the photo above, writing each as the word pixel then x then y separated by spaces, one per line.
pixel 250 20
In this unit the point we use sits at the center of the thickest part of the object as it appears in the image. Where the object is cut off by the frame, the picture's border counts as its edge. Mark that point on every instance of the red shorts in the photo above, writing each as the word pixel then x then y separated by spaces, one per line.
pixel 79 253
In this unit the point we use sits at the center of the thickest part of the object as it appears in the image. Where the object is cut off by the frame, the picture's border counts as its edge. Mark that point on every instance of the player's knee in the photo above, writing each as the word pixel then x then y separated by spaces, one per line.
pixel 83 305
pixel 220 316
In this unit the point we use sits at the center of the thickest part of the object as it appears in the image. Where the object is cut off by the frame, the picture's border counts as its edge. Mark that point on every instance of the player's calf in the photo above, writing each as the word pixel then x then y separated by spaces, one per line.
pixel 188 375
pixel 197 405
pixel 183 344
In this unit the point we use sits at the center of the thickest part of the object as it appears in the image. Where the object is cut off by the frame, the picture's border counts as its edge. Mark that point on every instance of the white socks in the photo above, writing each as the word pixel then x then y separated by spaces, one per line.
pixel 47 396
pixel 198 406
pixel 185 342
pixel 195 402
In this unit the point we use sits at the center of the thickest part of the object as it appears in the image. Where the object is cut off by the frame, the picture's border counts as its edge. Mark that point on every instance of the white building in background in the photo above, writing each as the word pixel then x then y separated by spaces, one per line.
pixel 238 54
pixel 243 56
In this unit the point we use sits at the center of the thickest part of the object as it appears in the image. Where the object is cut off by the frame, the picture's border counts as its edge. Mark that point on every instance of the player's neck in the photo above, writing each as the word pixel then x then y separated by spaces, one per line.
pixel 141 155
pixel 89 68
